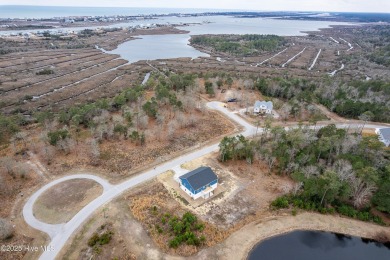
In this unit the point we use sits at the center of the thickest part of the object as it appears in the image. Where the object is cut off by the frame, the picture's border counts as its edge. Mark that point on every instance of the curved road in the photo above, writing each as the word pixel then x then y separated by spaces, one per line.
pixel 60 233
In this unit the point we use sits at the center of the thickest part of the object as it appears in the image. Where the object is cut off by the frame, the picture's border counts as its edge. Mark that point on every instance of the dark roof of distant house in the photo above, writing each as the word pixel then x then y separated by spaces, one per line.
pixel 200 177
pixel 385 132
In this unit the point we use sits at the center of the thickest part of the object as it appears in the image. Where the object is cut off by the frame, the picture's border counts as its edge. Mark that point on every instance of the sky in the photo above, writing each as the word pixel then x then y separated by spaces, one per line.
pixel 382 6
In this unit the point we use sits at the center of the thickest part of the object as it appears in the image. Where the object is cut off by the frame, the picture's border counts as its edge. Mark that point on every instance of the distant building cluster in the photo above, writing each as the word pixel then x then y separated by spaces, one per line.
pixel 74 32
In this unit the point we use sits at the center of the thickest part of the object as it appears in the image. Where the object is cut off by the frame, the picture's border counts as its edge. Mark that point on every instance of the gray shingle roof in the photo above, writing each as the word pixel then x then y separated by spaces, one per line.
pixel 267 104
pixel 385 132
pixel 200 177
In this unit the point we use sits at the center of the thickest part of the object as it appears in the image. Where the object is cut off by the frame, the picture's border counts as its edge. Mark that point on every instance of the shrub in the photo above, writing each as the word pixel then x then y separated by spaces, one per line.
pixel 55 136
pixel 93 240
pixel 184 230
pixel 45 72
pixel 347 211
pixel 294 212
pixel 105 238
pixel 102 239
pixel 279 203
pixel 200 226
pixel 6 229
pixel 174 243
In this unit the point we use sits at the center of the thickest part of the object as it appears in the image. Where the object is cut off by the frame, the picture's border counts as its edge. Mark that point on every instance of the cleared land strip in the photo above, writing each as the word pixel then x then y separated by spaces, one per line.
pixel 103 90
pixel 290 60
pixel 100 60
pixel 13 58
pixel 304 60
pixel 349 44
pixel 70 95
pixel 28 61
pixel 315 60
pixel 335 71
pixel 109 66
pixel 34 59
pixel 80 88
pixel 334 40
pixel 53 61
pixel 40 90
pixel 277 54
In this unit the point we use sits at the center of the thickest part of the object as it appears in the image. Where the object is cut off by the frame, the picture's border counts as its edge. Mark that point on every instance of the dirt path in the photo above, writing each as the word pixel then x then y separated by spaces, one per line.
pixel 239 244
pixel 277 54
pixel 291 59
pixel 331 115
pixel 37 166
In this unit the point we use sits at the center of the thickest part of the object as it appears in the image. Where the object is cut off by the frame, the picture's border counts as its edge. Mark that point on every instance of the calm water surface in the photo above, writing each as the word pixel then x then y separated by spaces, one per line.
pixel 312 245
pixel 153 47
pixel 176 46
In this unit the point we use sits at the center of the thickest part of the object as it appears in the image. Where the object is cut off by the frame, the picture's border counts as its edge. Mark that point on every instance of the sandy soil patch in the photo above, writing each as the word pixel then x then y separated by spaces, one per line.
pixel 61 202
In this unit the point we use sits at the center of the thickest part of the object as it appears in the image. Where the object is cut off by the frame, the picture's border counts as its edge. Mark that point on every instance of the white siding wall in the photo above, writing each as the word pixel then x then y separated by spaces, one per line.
pixel 200 194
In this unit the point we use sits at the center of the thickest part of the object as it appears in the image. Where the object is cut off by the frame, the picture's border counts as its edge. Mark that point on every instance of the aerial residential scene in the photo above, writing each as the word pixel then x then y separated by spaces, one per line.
pixel 172 129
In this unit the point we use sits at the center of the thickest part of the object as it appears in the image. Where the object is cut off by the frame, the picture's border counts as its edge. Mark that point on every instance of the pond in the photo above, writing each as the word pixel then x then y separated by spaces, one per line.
pixel 153 47
pixel 309 245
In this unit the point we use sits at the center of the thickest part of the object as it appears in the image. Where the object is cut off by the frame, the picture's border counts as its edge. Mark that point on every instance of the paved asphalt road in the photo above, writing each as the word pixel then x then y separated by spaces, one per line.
pixel 60 233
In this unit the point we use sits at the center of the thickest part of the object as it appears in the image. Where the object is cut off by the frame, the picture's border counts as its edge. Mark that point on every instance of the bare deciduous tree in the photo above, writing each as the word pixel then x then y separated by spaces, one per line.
pixel 48 152
pixel 361 192
pixel 172 126
pixel 344 170
pixel 94 152
pixel 21 170
pixel 310 171
pixel 66 145
pixel 270 162
pixel 284 112
pixel 8 164
pixel 6 229
pixel 143 122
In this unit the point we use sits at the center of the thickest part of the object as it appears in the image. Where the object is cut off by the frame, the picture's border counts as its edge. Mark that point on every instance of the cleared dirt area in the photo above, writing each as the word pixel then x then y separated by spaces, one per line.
pixel 248 190
pixel 61 202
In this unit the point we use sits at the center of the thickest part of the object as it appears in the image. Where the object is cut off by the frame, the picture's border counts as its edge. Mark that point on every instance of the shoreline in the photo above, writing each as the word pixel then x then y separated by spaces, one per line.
pixel 241 243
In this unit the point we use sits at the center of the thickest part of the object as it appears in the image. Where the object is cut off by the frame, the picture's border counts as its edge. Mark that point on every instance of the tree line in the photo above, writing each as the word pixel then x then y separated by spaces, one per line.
pixel 349 100
pixel 249 44
pixel 333 169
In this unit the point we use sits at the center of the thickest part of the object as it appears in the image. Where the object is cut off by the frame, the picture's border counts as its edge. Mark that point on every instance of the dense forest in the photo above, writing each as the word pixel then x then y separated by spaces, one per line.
pixel 349 100
pixel 334 170
pixel 245 45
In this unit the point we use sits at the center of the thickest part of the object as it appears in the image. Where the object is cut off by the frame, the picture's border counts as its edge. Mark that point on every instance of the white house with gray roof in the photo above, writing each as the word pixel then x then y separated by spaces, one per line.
pixel 263 107
pixel 384 135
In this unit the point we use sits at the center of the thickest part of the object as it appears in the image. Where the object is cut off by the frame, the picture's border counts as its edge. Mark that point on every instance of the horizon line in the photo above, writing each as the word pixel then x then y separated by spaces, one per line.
pixel 197 8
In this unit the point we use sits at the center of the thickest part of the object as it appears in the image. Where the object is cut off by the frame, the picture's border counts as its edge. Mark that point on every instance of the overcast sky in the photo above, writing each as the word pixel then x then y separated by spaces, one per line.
pixel 272 5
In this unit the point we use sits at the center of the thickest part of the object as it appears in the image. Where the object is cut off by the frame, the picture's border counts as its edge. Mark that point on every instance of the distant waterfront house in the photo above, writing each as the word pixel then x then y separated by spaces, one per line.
pixel 384 135
pixel 199 183
pixel 263 107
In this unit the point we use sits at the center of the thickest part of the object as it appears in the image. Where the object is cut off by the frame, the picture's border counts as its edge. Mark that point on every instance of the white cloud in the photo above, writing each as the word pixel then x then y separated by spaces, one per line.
pixel 274 5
